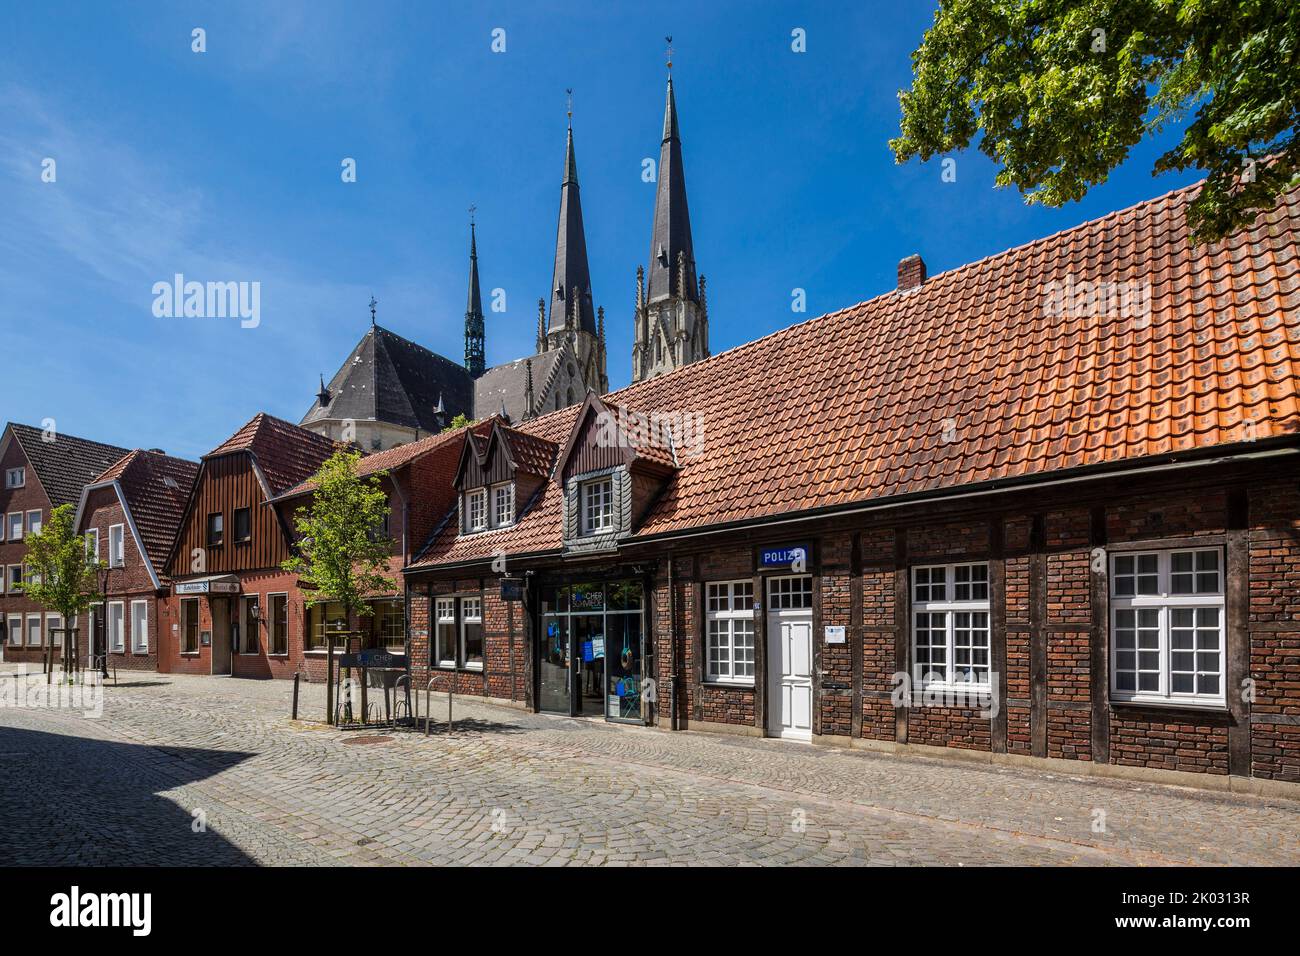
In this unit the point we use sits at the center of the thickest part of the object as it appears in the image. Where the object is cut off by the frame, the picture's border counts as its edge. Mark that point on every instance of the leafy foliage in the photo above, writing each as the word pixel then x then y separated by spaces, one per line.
pixel 57 574
pixel 1059 91
pixel 460 421
pixel 340 554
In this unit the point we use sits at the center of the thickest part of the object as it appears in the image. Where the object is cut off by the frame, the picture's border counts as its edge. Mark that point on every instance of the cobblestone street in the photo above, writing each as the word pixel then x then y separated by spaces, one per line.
pixel 203 770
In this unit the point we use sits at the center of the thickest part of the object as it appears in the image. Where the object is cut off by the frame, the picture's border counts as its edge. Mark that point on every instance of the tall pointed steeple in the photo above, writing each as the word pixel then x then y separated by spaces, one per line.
pixel 671 237
pixel 571 308
pixel 671 328
pixel 474 360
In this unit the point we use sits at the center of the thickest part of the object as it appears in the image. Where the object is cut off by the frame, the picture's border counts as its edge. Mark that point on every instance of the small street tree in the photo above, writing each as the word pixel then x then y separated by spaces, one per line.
pixel 58 575
pixel 460 421
pixel 342 551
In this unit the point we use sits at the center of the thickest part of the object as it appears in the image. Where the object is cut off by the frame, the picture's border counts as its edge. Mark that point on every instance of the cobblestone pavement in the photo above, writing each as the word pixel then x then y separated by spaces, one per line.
pixel 210 770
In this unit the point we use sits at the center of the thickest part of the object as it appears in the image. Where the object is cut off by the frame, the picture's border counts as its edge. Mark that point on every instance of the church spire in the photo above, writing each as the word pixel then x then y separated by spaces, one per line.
pixel 571 308
pixel 670 241
pixel 474 309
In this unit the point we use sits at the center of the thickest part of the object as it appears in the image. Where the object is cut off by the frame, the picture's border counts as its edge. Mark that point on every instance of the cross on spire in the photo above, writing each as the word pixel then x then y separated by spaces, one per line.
pixel 569 107
pixel 669 41
pixel 472 210
pixel 373 303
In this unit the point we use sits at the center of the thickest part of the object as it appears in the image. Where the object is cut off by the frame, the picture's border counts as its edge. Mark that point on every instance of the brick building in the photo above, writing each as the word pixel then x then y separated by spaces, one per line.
pixel 1042 507
pixel 232 608
pixel 41 470
pixel 129 516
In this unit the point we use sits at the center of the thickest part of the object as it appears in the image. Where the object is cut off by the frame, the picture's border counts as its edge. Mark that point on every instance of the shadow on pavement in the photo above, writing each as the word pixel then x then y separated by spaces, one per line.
pixel 76 801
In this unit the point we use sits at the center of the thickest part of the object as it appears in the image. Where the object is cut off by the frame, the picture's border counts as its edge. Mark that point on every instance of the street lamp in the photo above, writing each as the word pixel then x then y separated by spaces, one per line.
pixel 102 638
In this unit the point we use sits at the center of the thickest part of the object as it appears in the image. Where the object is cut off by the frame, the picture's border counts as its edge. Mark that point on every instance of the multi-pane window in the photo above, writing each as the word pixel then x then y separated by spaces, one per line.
pixel 15 629
pixel 789 592
pixel 92 546
pixel 503 505
pixel 189 625
pixel 116 546
pixel 730 632
pixel 140 626
pixel 15 578
pixel 445 645
pixel 390 625
pixel 471 631
pixel 248 614
pixel 324 620
pixel 243 525
pixel 597 505
pixel 1167 626
pixel 216 529
pixel 950 624
pixel 33 522
pixel 476 510
pixel 15 526
pixel 15 477
pixel 33 630
pixel 278 623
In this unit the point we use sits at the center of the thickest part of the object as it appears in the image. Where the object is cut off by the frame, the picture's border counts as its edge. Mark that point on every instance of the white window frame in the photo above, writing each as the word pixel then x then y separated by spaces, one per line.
pixel 52 620
pixel 15 529
pixel 16 634
pixel 16 477
pixel 270 623
pixel 117 549
pixel 599 518
pixel 117 646
pixel 13 586
pixel 34 527
pixel 190 608
pixel 138 646
pixel 726 604
pixel 950 607
pixel 445 613
pixel 92 545
pixel 27 631
pixel 498 520
pixel 1164 602
pixel 476 501
pixel 466 617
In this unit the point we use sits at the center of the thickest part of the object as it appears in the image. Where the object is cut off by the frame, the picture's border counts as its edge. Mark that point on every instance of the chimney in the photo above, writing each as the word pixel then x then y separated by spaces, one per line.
pixel 911 273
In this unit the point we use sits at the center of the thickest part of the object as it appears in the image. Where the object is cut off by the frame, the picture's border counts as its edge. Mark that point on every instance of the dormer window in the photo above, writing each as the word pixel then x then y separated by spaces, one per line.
pixel 476 510
pixel 503 504
pixel 597 506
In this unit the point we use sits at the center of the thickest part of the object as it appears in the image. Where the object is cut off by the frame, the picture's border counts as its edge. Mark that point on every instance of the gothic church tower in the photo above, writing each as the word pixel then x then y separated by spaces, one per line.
pixel 672 316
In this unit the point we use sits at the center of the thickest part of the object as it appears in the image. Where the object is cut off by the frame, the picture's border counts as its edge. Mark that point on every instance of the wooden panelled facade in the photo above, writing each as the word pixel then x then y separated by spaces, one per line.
pixel 225 485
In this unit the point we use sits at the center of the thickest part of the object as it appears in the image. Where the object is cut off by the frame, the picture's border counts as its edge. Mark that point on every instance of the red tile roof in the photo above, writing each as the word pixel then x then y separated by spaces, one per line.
pixel 286 454
pixel 970 378
pixel 156 505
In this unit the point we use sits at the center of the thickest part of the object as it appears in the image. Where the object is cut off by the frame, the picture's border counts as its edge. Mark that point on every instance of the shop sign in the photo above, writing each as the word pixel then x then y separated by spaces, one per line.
pixel 512 589
pixel 835 635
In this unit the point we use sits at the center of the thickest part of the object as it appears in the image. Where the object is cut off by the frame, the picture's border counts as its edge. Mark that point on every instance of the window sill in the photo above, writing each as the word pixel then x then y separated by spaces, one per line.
pixel 1166 703
pixel 730 684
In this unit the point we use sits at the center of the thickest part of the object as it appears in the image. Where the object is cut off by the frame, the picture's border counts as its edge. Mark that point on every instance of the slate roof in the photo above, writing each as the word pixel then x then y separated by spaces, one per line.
pixel 388 378
pixel 286 454
pixel 66 464
pixel 156 506
pixel 970 378
pixel 507 384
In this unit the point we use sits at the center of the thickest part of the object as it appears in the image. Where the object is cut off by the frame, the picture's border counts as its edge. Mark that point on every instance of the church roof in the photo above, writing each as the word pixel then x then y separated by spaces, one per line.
pixel 507 385
pixel 671 238
pixel 387 378
pixel 571 278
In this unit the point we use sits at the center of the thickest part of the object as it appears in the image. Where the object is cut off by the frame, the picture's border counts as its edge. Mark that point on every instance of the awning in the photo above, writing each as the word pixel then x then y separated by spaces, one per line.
pixel 211 584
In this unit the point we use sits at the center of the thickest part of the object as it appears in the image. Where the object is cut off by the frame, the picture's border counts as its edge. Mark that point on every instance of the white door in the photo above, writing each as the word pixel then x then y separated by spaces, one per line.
pixel 790 682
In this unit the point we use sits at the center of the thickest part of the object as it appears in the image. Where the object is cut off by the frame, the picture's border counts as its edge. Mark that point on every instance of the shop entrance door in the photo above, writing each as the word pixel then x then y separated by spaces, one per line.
pixel 554 664
pixel 581 626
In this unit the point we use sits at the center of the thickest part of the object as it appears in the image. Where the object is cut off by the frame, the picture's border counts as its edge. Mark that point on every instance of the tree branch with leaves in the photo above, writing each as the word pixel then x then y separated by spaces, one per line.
pixel 1058 91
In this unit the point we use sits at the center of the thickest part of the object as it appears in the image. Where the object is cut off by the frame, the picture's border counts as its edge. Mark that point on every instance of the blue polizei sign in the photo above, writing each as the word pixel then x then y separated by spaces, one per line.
pixel 783 557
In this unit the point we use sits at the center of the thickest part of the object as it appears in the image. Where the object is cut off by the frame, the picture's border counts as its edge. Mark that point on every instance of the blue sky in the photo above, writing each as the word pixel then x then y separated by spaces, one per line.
pixel 225 166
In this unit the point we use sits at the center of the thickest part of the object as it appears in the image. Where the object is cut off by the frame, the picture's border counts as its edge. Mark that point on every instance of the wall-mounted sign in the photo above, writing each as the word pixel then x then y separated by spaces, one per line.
pixel 835 634
pixel 783 557
pixel 207 587
pixel 512 589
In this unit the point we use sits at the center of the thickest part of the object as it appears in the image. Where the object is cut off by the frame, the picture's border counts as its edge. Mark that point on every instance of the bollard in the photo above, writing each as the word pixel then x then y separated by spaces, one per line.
pixel 295 694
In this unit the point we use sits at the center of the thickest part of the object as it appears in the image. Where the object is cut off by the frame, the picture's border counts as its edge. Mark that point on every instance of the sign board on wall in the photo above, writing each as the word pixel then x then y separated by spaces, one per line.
pixel 512 589
pixel 783 557
pixel 835 634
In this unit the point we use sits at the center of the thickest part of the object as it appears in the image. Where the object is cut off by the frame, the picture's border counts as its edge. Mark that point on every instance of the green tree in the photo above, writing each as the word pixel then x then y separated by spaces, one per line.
pixel 460 421
pixel 342 553
pixel 1058 91
pixel 57 573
